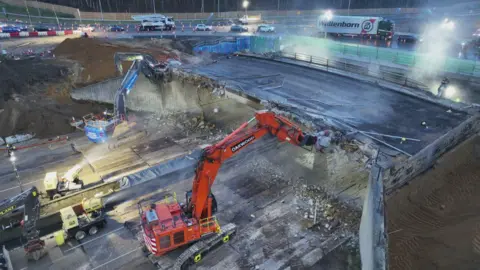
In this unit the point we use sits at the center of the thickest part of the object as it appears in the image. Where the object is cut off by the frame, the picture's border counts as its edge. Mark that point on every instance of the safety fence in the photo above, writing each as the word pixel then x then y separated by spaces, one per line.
pixel 376 71
pixel 253 44
pixel 370 53
pixel 271 47
pixel 318 48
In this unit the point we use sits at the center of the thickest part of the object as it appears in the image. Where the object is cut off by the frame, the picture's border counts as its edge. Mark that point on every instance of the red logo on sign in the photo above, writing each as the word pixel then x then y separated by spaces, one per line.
pixel 367 26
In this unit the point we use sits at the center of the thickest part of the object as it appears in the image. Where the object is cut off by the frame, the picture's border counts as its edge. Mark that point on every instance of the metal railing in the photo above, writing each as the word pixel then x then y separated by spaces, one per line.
pixel 378 72
pixel 207 224
pixel 387 55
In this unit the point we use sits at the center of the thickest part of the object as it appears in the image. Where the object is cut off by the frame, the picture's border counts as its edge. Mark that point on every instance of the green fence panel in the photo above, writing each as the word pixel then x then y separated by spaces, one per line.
pixel 369 52
pixel 386 55
pixel 405 59
pixel 459 66
pixel 410 59
pixel 349 49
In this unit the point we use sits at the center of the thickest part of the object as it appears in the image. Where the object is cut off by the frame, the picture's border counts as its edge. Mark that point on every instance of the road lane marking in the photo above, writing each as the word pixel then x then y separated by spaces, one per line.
pixel 96 238
pixel 114 259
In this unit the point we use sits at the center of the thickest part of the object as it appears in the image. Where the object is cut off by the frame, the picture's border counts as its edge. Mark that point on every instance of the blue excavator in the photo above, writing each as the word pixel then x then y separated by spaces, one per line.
pixel 99 128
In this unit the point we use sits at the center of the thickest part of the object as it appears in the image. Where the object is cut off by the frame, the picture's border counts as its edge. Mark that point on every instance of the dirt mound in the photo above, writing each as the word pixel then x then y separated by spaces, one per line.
pixel 24 76
pixel 96 57
pixel 434 223
pixel 44 120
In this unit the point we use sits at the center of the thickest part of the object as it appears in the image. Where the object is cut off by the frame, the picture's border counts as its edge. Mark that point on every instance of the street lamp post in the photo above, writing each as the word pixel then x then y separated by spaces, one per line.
pixel 327 16
pixel 12 160
pixel 100 5
pixel 245 6
pixel 28 12
pixel 154 11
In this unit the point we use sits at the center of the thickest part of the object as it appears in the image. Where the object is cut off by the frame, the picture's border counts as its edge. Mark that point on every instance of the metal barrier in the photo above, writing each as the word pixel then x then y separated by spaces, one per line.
pixel 410 59
pixel 253 44
pixel 377 72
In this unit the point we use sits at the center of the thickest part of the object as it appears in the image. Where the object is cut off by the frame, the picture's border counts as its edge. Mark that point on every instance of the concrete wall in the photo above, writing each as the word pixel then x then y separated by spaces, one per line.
pixel 145 96
pixel 402 173
pixel 382 182
pixel 373 239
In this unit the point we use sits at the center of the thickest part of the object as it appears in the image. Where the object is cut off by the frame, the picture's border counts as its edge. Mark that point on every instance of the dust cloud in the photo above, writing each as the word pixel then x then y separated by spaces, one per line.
pixel 438 41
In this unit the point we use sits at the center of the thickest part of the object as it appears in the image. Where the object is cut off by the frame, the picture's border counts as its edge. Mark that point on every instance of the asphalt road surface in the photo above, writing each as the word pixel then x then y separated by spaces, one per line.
pixel 366 107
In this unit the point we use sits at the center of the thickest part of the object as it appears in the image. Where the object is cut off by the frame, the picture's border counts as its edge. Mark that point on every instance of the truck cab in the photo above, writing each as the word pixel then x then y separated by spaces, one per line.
pixel 56 187
pixel 82 219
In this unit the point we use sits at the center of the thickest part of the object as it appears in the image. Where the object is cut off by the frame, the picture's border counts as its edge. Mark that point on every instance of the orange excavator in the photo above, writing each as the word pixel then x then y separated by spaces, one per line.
pixel 168 225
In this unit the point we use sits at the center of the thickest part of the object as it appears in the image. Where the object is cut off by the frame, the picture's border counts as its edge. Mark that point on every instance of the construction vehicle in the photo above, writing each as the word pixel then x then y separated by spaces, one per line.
pixel 355 26
pixel 56 187
pixel 5 262
pixel 168 225
pixel 28 200
pixel 98 129
pixel 82 219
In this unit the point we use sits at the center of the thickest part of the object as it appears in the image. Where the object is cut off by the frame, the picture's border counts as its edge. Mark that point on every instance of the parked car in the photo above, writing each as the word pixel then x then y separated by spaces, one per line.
pixel 11 29
pixel 42 28
pixel 238 28
pixel 117 28
pixel 265 28
pixel 202 27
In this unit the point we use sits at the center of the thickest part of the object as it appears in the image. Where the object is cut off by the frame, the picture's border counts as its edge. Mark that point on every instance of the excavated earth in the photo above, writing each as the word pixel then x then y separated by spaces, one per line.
pixel 35 93
pixel 434 222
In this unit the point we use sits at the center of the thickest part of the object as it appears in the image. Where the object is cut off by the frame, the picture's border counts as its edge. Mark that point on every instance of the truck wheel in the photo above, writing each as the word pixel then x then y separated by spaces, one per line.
pixel 93 230
pixel 56 196
pixel 80 235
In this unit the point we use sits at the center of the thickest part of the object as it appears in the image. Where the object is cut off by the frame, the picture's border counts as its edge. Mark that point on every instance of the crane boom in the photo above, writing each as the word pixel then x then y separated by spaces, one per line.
pixel 213 156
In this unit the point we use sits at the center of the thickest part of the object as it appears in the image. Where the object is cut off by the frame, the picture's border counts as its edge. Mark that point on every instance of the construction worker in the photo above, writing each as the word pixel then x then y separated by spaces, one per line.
pixel 442 87
pixel 10 149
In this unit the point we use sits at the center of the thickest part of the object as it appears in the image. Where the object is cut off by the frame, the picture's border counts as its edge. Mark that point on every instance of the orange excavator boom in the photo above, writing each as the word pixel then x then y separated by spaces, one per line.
pixel 267 122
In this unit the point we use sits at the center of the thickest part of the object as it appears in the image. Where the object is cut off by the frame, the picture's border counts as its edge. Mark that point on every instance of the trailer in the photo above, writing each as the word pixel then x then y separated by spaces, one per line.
pixel 82 219
pixel 356 26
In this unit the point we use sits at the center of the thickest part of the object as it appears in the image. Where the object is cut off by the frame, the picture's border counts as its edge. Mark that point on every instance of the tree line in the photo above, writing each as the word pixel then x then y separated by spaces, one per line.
pixel 173 6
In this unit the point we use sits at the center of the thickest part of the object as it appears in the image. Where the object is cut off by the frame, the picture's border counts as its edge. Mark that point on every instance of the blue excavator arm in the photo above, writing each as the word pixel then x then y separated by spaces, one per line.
pixel 144 63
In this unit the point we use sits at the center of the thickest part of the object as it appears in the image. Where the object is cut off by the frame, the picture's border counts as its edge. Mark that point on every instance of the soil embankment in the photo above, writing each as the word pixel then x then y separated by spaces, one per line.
pixel 434 222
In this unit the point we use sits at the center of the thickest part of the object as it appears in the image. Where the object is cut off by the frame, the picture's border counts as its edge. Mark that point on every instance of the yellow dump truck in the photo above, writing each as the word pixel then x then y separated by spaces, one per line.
pixel 56 187
pixel 82 219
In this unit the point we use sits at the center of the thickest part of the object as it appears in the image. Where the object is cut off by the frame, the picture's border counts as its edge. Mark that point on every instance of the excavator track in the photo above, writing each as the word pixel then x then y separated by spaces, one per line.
pixel 195 252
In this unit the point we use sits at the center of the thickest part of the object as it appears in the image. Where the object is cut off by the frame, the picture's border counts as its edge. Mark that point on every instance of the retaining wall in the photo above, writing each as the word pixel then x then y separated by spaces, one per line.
pixel 373 240
pixel 400 174
pixel 145 96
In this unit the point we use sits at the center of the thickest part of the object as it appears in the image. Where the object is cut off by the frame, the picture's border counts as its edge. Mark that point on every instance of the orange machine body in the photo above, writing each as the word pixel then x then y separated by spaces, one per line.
pixel 169 225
